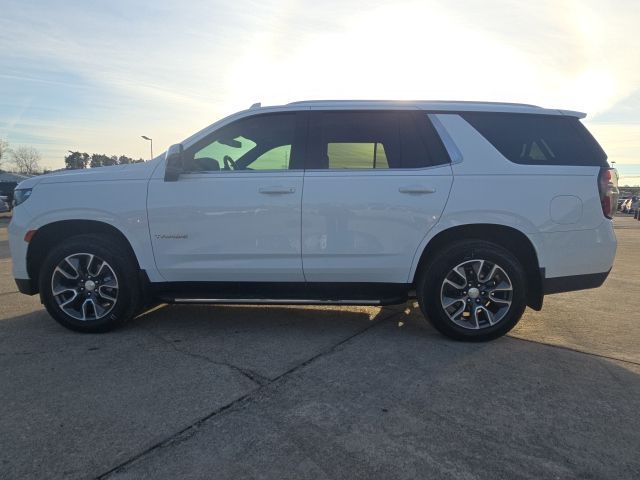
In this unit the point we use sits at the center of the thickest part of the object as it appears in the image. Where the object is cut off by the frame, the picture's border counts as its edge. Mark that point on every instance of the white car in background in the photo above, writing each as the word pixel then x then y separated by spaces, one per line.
pixel 629 205
pixel 331 202
pixel 4 204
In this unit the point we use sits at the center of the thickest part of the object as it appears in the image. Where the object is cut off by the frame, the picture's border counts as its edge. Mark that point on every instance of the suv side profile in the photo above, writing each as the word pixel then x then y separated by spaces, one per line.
pixel 476 209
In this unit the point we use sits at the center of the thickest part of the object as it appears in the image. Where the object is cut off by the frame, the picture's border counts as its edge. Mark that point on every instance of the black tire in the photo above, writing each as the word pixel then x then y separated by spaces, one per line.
pixel 109 249
pixel 433 277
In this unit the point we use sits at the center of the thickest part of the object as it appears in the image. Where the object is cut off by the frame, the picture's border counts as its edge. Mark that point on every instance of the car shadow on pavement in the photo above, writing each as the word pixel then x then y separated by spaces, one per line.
pixel 354 392
pixel 265 340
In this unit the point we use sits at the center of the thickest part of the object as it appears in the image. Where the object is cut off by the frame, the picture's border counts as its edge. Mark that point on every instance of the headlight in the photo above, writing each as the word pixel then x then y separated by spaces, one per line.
pixel 20 195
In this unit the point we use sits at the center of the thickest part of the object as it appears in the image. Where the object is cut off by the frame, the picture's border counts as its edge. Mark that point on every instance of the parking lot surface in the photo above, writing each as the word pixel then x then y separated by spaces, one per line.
pixel 322 392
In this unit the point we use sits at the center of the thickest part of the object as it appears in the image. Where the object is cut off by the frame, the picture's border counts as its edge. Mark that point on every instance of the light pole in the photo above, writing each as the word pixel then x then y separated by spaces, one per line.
pixel 150 140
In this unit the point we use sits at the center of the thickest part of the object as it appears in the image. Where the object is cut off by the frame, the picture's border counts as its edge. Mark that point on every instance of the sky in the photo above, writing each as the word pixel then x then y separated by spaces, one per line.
pixel 95 76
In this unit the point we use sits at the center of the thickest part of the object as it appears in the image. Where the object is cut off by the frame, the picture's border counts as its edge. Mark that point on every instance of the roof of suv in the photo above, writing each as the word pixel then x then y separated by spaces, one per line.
pixel 436 105
pixel 430 105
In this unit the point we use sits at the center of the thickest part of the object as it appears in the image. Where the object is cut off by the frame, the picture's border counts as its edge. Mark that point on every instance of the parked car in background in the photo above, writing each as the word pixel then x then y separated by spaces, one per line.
pixel 621 201
pixel 331 202
pixel 629 205
pixel 4 205
pixel 625 205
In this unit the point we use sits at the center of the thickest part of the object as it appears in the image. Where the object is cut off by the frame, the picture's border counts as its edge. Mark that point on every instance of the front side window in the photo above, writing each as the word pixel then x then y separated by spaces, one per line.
pixel 275 159
pixel 261 142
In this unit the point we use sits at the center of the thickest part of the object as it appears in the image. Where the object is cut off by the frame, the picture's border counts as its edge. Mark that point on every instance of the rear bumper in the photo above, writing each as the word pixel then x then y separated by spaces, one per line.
pixel 26 286
pixel 576 253
pixel 573 282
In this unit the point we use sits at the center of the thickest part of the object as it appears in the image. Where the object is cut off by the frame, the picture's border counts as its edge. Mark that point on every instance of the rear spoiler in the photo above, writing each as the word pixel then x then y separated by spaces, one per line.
pixel 572 113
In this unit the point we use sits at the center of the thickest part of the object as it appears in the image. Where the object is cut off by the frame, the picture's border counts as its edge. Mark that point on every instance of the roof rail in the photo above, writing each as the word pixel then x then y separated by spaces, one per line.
pixel 469 102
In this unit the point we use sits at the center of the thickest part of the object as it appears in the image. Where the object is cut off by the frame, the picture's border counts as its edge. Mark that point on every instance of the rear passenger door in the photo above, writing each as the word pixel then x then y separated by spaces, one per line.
pixel 375 183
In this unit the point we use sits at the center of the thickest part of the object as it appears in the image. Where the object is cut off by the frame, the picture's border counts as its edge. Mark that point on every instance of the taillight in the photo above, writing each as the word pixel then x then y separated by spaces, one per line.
pixel 608 189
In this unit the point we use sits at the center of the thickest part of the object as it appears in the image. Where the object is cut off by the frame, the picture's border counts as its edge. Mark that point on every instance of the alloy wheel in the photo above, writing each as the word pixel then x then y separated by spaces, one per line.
pixel 476 294
pixel 84 286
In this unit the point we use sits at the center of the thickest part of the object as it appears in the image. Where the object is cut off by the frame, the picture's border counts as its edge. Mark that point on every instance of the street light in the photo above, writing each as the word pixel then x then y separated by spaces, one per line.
pixel 150 140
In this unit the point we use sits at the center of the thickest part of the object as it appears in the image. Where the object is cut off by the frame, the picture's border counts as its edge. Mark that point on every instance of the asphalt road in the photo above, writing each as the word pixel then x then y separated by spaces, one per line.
pixel 290 392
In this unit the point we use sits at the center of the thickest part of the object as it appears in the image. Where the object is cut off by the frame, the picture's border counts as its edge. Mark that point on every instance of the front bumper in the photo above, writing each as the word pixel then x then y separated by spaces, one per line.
pixel 16 230
pixel 18 247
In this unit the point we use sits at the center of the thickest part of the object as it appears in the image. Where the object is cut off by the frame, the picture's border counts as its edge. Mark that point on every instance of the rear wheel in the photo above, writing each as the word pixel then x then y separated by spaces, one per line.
pixel 89 283
pixel 473 290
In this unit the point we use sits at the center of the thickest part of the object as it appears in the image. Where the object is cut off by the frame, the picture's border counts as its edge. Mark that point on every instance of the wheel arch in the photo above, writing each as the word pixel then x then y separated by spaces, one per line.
pixel 53 233
pixel 507 237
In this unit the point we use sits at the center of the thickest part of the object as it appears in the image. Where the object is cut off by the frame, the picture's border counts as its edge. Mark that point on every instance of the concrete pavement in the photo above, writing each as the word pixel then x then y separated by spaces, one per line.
pixel 354 392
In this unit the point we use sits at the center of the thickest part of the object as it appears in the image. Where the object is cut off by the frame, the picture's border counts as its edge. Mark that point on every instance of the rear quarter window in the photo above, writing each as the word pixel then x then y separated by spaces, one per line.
pixel 531 139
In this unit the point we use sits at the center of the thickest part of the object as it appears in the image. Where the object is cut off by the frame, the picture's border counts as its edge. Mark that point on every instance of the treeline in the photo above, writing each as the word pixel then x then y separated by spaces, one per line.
pixel 26 159
pixel 77 160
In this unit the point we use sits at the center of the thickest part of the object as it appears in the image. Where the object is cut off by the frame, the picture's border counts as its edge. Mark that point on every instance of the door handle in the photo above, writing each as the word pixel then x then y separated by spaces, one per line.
pixel 416 189
pixel 276 190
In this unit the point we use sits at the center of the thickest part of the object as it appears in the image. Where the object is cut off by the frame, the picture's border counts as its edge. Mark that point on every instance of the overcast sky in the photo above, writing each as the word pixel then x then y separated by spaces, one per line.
pixel 94 76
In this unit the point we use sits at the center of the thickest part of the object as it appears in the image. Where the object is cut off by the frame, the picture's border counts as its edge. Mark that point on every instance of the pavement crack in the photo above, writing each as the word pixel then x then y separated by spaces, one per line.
pixel 175 438
pixel 191 429
pixel 334 347
pixel 251 375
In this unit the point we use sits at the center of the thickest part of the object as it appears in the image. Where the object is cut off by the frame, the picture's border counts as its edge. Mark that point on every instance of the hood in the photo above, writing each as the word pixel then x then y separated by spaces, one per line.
pixel 134 171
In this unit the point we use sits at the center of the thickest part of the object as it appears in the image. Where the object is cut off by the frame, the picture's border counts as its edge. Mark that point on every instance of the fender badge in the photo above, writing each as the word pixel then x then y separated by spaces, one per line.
pixel 173 236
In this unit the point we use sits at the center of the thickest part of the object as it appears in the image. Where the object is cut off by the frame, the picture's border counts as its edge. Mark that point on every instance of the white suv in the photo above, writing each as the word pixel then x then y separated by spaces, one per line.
pixel 477 209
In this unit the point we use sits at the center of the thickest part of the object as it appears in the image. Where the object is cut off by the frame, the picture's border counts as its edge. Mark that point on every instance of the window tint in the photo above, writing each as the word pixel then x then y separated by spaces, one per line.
pixel 261 142
pixel 218 151
pixel 418 133
pixel 539 139
pixel 356 140
pixel 371 140
pixel 357 155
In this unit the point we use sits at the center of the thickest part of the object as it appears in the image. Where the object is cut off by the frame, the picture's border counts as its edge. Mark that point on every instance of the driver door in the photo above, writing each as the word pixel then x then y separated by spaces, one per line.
pixel 235 214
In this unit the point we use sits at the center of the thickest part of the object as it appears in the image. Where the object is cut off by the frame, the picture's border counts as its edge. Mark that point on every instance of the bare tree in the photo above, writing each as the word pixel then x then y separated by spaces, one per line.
pixel 4 150
pixel 26 160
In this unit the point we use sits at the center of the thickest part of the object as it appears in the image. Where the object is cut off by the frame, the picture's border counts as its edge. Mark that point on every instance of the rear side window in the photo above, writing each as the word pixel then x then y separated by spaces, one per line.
pixel 355 140
pixel 538 139
pixel 372 140
pixel 357 155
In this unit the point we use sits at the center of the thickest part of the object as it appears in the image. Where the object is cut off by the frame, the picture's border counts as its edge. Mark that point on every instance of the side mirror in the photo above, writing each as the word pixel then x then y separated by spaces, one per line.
pixel 173 163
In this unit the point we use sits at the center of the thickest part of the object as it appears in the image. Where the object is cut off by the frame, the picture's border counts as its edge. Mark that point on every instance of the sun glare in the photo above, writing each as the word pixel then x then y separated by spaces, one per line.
pixel 385 54
pixel 427 54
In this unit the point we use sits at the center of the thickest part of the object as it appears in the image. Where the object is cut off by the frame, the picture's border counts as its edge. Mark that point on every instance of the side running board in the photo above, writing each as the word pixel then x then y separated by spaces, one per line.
pixel 277 301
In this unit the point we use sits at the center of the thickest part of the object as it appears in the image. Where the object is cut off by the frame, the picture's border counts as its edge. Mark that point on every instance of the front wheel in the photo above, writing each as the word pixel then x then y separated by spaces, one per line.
pixel 89 283
pixel 473 290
